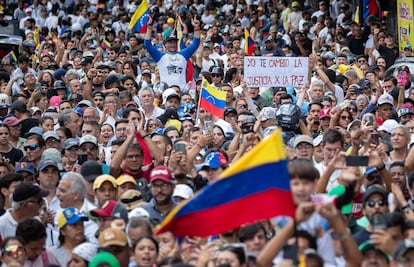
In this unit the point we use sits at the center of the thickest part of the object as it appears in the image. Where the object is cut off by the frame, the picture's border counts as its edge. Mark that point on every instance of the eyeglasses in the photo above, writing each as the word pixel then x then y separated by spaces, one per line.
pixel 51 141
pixel 304 146
pixel 31 147
pixel 86 148
pixel 241 106
pixel 162 186
pixel 352 109
pixel 13 250
pixel 346 118
pixel 121 129
pixel 215 75
pixel 371 203
pixel 362 61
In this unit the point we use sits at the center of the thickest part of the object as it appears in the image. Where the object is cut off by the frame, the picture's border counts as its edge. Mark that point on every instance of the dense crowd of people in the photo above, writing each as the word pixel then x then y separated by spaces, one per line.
pixel 102 135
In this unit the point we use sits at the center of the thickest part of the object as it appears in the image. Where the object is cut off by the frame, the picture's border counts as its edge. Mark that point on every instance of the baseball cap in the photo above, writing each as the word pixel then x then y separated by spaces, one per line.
pixel 388 126
pixel 318 140
pixel 125 178
pixel 131 199
pixel 17 105
pixel 183 191
pixel 325 113
pixel 161 173
pixel 214 160
pixel 4 100
pixel 368 245
pixel 374 190
pixel 25 167
pixel 168 94
pixel 102 179
pixel 268 38
pixel 85 103
pixel 112 237
pixel 86 251
pixel 88 139
pixel 267 113
pixel 295 4
pixel 138 212
pixel 27 190
pixel 303 139
pixel 53 154
pixel 70 142
pixel 35 130
pixel 405 111
pixel 46 163
pixel 11 121
pixel 50 134
pixel 111 208
pixel 90 170
pixel 70 216
pixel 402 247
pixel 170 37
pixel 385 99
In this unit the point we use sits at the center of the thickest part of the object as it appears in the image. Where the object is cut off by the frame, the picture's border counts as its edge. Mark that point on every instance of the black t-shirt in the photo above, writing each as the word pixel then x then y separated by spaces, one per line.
pixel 14 155
pixel 356 46
pixel 390 54
pixel 28 124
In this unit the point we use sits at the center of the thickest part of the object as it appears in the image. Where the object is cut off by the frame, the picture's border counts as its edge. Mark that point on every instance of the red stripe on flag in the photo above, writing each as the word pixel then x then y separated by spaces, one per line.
pixel 211 108
pixel 200 223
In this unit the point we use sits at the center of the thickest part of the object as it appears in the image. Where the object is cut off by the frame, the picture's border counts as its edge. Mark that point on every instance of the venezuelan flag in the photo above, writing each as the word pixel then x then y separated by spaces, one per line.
pixel 12 56
pixel 255 188
pixel 212 100
pixel 249 43
pixel 106 44
pixel 140 18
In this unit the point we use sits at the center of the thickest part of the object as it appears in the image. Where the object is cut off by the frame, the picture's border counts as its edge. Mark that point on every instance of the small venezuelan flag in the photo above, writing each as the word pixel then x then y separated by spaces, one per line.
pixel 106 44
pixel 212 99
pixel 140 18
pixel 249 43
pixel 255 188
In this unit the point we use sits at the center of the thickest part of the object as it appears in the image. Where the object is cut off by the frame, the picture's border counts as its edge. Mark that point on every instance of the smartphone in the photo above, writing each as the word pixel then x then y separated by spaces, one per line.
pixel 208 126
pixel 402 77
pixel 290 252
pixel 82 158
pixel 356 161
pixel 180 147
pixel 375 138
pixel 379 222
pixel 369 120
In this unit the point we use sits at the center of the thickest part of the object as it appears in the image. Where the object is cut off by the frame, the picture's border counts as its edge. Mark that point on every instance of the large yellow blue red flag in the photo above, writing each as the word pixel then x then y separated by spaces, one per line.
pixel 140 18
pixel 212 99
pixel 254 188
pixel 248 43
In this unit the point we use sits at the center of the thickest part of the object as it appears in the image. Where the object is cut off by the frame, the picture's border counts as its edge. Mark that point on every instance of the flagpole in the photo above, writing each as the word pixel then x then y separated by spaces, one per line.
pixel 199 100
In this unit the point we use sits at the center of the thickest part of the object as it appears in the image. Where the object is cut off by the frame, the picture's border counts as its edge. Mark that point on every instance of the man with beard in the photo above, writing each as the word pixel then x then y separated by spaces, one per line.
pixel 375 203
pixel 162 189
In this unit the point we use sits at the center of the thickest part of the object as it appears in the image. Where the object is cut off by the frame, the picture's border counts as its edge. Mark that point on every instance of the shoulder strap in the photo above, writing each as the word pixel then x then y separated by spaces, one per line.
pixel 45 258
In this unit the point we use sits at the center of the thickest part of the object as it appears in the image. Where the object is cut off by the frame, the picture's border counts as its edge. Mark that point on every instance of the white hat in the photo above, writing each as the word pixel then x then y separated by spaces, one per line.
pixel 4 100
pixel 167 94
pixel 226 127
pixel 388 126
pixel 88 139
pixel 138 212
pixel 183 191
pixel 385 99
pixel 86 251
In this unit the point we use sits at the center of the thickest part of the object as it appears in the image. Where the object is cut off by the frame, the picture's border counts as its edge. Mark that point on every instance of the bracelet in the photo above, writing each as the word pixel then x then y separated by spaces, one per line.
pixel 382 168
pixel 147 135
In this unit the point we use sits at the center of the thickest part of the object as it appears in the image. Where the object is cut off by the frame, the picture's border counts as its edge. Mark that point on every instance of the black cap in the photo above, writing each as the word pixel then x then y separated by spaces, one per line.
pixel 86 61
pixel 170 113
pixel 111 79
pixel 373 67
pixel 230 110
pixel 27 190
pixel 18 105
pixel 90 170
pixel 374 190
pixel 170 37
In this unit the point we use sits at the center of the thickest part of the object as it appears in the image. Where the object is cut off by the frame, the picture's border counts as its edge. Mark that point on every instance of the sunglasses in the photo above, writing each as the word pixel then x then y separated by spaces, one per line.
pixel 372 203
pixel 241 106
pixel 13 250
pixel 86 148
pixel 215 75
pixel 31 147
pixel 346 118
pixel 362 61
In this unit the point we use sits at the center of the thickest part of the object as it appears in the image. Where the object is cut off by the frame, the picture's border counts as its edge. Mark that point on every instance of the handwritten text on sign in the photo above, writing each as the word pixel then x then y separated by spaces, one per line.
pixel 275 71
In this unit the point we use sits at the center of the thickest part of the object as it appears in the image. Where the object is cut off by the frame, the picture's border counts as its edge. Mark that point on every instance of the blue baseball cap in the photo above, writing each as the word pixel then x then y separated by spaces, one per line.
pixel 70 142
pixel 46 163
pixel 25 167
pixel 215 160
pixel 70 216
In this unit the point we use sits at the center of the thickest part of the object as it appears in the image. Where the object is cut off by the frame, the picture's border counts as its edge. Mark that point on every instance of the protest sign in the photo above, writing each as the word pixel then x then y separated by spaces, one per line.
pixel 275 71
